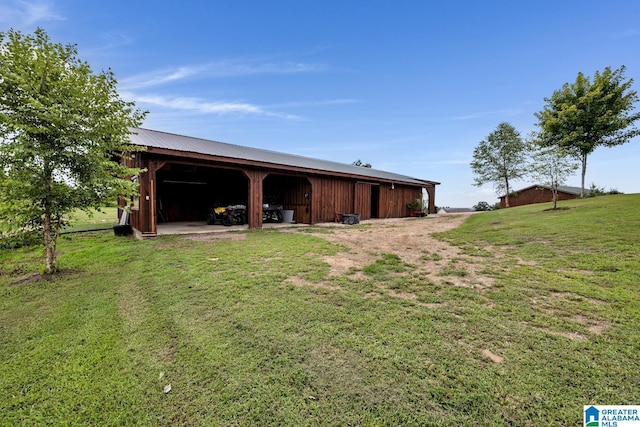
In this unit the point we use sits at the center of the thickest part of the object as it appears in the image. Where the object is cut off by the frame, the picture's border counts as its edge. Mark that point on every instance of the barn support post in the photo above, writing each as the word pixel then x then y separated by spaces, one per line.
pixel 152 204
pixel 254 210
pixel 315 206
pixel 431 191
pixel 146 214
pixel 139 217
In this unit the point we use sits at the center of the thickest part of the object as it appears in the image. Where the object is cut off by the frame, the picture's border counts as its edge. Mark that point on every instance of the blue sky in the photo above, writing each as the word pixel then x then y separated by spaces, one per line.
pixel 408 86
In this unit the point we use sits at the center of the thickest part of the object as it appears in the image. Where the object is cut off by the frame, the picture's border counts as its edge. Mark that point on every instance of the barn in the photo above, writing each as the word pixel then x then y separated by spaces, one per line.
pixel 185 176
pixel 539 194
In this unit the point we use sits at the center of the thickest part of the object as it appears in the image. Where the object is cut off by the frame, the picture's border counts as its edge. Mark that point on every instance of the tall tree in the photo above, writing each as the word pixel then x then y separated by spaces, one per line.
pixel 552 166
pixel 586 114
pixel 500 159
pixel 63 131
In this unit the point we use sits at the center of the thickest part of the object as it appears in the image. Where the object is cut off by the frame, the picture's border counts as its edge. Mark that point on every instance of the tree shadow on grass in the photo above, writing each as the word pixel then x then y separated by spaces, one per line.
pixel 39 277
pixel 556 209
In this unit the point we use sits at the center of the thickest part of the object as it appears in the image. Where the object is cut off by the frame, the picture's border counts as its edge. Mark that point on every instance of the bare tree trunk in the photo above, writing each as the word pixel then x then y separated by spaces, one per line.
pixel 49 234
pixel 584 172
pixel 49 244
pixel 506 198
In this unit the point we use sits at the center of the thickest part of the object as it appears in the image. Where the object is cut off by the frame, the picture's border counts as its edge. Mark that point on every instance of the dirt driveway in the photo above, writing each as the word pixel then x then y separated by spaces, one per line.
pixel 411 239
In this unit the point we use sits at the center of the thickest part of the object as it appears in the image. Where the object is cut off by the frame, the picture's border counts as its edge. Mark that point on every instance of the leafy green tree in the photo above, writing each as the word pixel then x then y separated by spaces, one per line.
pixel 360 163
pixel 500 159
pixel 595 191
pixel 482 206
pixel 552 166
pixel 63 133
pixel 586 114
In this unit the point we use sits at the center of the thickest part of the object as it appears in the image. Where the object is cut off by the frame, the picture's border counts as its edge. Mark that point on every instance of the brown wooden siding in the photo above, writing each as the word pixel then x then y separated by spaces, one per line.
pixel 363 200
pixel 393 201
pixel 313 197
pixel 143 215
pixel 330 196
pixel 298 199
pixel 344 196
pixel 535 195
pixel 254 206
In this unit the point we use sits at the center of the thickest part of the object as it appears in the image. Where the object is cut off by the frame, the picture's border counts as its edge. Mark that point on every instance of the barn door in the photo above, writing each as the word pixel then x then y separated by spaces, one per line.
pixel 362 202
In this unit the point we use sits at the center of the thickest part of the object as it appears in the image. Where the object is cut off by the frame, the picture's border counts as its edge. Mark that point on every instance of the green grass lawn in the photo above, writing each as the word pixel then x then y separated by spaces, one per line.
pixel 95 220
pixel 240 344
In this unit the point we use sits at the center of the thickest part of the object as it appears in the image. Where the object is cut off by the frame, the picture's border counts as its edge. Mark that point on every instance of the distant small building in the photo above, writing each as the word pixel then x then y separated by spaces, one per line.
pixel 539 194
pixel 455 210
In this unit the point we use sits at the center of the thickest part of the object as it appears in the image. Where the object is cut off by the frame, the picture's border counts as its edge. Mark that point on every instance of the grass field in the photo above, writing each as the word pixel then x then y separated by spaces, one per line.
pixel 240 344
pixel 104 218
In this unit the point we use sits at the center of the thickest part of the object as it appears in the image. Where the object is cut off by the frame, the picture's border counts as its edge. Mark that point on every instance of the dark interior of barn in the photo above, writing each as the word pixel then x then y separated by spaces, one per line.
pixel 187 192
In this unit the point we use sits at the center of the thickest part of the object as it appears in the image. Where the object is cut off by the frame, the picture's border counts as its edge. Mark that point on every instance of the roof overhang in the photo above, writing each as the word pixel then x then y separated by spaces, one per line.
pixel 187 148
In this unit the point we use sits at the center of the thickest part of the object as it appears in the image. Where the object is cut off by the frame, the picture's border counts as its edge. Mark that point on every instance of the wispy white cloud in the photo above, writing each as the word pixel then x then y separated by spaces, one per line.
pixel 134 87
pixel 22 15
pixel 321 103
pixel 201 106
pixel 158 78
pixel 228 68
pixel 111 40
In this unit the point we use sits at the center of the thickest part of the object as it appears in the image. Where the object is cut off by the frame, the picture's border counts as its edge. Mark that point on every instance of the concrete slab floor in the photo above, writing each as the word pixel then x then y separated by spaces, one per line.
pixel 199 227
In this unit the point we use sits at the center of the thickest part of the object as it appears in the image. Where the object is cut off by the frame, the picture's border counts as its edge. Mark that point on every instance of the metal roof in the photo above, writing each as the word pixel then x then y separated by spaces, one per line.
pixel 169 141
pixel 562 188
pixel 572 190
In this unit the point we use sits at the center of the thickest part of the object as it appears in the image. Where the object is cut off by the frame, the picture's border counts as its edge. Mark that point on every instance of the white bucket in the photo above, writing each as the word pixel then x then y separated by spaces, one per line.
pixel 287 216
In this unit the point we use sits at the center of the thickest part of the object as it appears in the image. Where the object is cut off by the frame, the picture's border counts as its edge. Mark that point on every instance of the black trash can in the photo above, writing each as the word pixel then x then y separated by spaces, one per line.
pixel 123 230
pixel 350 219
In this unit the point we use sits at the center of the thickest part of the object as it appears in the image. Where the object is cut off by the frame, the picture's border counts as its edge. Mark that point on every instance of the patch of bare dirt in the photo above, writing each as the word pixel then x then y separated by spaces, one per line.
pixel 523 262
pixel 597 328
pixel 494 357
pixel 409 238
pixel 473 352
pixel 594 326
pixel 570 296
pixel 412 297
pixel 298 281
pixel 205 237
pixel 575 336
pixel 37 277
pixel 29 278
